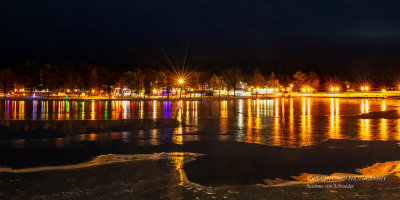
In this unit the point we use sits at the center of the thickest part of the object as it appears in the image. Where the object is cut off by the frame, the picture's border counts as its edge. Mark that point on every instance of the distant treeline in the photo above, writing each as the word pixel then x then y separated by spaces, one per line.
pixel 83 76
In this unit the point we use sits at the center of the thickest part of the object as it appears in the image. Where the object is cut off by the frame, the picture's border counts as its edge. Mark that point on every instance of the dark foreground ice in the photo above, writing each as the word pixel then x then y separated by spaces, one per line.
pixel 202 170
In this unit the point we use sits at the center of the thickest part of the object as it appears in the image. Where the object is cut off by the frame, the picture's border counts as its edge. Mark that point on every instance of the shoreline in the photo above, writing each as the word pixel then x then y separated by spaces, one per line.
pixel 347 95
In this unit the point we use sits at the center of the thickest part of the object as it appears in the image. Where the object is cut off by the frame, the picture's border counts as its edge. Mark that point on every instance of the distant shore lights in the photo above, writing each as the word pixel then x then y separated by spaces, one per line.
pixel 334 89
pixel 307 89
pixel 364 88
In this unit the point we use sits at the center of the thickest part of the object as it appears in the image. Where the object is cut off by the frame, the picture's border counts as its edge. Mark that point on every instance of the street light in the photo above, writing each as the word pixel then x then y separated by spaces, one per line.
pixel 180 81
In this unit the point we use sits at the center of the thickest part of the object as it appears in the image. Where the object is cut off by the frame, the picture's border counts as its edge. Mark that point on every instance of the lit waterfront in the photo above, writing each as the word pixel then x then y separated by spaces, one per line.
pixel 289 122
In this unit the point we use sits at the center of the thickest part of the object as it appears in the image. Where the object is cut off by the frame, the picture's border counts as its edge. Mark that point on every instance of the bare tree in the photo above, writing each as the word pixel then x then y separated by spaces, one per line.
pixel 139 78
pixel 6 80
pixel 216 83
pixel 232 77
pixel 299 79
pixel 313 80
pixel 273 82
pixel 162 81
pixel 257 80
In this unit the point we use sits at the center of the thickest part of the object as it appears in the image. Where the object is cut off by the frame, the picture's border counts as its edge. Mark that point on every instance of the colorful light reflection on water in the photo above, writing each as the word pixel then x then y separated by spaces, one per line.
pixel 289 122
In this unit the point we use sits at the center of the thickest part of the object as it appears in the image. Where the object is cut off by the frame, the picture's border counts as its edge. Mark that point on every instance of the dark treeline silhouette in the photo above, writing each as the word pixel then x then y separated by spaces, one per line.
pixel 82 76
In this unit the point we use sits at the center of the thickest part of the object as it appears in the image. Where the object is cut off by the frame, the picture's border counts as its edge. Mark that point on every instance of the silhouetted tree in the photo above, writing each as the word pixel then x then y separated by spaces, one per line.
pixel 313 80
pixel 128 80
pixel 163 81
pixel 216 82
pixel 6 80
pixel 139 78
pixel 30 76
pixel 299 80
pixel 273 82
pixel 50 77
pixel 257 80
pixel 232 77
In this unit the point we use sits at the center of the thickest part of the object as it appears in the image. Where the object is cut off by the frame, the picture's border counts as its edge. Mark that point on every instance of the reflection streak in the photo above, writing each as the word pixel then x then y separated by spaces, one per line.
pixel 334 131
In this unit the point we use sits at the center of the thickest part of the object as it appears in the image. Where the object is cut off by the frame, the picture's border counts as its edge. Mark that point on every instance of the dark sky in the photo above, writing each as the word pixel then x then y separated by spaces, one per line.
pixel 282 35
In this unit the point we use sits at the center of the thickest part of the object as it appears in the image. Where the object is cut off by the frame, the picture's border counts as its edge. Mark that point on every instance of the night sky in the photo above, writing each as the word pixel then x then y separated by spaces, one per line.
pixel 335 37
